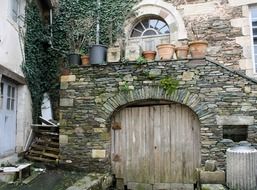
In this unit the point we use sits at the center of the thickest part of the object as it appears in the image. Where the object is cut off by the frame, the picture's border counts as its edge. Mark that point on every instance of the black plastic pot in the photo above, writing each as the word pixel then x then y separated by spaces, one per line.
pixel 74 59
pixel 98 54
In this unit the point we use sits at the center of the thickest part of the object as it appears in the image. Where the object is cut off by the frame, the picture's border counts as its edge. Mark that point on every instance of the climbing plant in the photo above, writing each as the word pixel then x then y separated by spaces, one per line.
pixel 44 53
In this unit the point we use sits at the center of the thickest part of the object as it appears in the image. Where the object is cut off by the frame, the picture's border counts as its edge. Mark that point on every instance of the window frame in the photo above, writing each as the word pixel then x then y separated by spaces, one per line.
pixel 253 52
pixel 146 29
pixel 14 14
pixel 2 95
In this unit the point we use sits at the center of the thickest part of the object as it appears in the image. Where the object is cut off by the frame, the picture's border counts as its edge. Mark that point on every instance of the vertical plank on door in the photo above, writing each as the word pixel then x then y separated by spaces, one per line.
pixel 157 143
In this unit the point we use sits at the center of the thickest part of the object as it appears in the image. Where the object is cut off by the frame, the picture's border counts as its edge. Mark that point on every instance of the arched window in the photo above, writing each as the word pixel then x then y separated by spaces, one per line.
pixel 150 27
pixel 152 23
pixel 149 31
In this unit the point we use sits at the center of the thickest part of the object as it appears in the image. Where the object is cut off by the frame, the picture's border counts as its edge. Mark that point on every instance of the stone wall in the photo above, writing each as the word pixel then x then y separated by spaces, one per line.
pixel 91 94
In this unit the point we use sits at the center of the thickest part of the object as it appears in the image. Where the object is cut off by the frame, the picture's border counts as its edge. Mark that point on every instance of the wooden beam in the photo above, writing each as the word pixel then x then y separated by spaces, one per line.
pixel 12 75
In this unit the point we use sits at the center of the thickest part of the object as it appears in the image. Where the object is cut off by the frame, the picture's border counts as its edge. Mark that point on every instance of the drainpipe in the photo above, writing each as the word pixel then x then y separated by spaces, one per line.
pixel 51 26
pixel 51 33
pixel 98 22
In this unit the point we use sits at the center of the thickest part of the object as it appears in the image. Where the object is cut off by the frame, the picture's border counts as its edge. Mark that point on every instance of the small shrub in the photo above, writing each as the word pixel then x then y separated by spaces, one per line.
pixel 169 84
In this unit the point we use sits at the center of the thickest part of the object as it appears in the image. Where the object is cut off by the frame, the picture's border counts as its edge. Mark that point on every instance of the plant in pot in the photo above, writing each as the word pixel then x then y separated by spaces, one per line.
pixel 78 34
pixel 165 51
pixel 182 49
pixel 149 55
pixel 197 47
pixel 84 57
pixel 98 52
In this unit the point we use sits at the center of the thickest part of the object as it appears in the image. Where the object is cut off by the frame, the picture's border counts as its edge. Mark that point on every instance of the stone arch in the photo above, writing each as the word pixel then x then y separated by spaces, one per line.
pixel 158 8
pixel 182 96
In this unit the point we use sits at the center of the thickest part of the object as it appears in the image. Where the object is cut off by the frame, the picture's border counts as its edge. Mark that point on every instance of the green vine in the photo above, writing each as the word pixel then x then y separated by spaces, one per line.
pixel 141 61
pixel 45 53
pixel 169 84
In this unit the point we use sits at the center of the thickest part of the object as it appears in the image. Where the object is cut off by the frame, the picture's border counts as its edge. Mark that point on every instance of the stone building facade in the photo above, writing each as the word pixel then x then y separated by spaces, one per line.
pixel 220 90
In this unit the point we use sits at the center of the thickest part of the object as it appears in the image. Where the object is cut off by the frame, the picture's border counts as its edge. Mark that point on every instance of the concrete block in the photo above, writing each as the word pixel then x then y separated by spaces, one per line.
pixel 235 120
pixel 68 78
pixel 66 102
pixel 113 54
pixel 63 139
pixel 133 52
pixel 98 153
pixel 187 76
pixel 217 177
pixel 210 165
pixel 213 187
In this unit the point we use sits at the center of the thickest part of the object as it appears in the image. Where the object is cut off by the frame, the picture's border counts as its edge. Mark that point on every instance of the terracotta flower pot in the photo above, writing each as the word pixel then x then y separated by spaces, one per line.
pixel 198 48
pixel 85 59
pixel 182 52
pixel 149 55
pixel 166 51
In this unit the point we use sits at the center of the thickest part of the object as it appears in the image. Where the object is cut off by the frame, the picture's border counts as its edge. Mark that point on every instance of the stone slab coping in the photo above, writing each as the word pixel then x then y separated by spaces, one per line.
pixel 134 62
pixel 15 169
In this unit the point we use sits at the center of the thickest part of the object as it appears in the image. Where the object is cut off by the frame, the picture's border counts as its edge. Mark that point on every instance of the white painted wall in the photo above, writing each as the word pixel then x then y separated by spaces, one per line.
pixel 11 57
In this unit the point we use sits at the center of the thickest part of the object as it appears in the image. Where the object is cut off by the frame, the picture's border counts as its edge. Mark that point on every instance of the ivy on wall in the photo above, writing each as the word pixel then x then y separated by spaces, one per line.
pixel 42 61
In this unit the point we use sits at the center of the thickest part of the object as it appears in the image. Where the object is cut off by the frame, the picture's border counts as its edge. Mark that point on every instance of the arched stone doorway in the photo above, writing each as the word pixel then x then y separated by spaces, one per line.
pixel 156 146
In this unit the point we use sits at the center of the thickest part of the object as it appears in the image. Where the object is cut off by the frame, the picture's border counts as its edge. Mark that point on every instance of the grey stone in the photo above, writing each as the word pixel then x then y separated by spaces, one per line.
pixel 210 165
pixel 154 73
pixel 217 177
pixel 66 102
pixel 235 120
pixel 213 187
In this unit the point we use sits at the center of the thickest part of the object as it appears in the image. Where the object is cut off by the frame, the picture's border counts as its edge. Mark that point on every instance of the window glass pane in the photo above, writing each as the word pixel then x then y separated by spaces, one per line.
pixel 255 49
pixel 12 104
pixel 145 23
pixel 254 31
pixel 15 8
pixel 254 12
pixel 1 95
pixel 165 30
pixel 9 91
pixel 255 40
pixel 135 33
pixel 139 27
pixel 254 23
pixel 8 103
pixel 149 33
pixel 153 23
pixel 160 25
pixel 2 89
pixel 13 92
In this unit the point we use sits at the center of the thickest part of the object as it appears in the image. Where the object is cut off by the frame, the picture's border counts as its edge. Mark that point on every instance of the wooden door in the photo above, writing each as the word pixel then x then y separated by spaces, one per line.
pixel 157 146
pixel 7 118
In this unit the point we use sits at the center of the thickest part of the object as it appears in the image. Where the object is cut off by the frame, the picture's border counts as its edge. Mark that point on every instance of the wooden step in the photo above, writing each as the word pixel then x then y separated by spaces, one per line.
pixel 40 147
pixel 42 159
pixel 51 143
pixel 44 154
